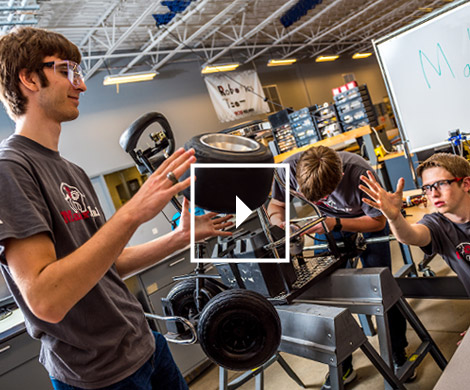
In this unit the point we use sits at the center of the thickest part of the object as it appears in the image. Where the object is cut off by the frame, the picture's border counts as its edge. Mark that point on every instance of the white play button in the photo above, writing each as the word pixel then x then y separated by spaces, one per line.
pixel 242 212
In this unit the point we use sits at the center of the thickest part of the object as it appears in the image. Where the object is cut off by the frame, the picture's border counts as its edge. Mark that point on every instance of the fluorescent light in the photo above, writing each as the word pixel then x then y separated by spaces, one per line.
pixel 219 68
pixel 129 78
pixel 358 56
pixel 287 61
pixel 326 58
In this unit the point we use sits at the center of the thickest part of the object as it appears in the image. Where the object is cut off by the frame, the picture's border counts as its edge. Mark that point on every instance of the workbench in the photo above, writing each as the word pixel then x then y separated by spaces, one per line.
pixel 389 168
pixel 19 364
pixel 330 142
pixel 456 375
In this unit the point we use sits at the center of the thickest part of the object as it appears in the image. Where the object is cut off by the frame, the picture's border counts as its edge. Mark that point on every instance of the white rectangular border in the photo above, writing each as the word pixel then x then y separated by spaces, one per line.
pixel 237 260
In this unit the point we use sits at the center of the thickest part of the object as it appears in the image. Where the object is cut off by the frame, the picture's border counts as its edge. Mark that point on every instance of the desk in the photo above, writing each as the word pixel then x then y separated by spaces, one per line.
pixel 456 375
pixel 388 168
pixel 12 325
pixel 364 132
pixel 416 213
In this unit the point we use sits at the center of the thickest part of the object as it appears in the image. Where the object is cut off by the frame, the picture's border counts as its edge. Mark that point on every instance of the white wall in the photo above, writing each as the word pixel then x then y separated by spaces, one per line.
pixel 179 93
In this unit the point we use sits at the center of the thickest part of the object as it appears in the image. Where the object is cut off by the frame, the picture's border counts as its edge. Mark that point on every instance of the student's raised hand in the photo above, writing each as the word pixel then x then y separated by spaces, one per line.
pixel 205 225
pixel 159 188
pixel 389 203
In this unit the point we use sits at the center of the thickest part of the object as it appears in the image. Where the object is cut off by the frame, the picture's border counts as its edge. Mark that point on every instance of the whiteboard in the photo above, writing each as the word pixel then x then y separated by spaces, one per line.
pixel 426 68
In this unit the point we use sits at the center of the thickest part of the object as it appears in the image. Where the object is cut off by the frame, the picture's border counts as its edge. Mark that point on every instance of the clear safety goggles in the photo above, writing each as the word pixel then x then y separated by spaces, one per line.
pixel 440 185
pixel 69 69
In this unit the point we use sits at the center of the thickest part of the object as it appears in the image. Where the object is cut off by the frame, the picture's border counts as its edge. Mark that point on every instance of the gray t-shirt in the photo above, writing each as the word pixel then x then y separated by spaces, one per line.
pixel 346 200
pixel 452 241
pixel 104 338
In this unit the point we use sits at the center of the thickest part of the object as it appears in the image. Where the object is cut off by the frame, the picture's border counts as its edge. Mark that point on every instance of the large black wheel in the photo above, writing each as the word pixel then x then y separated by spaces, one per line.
pixel 216 188
pixel 239 330
pixel 183 300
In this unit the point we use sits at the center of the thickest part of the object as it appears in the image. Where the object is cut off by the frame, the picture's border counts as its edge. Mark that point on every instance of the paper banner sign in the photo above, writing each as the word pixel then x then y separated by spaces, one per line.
pixel 237 95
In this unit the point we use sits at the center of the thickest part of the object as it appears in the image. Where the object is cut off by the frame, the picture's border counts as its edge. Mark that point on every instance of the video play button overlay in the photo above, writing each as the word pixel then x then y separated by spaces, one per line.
pixel 242 212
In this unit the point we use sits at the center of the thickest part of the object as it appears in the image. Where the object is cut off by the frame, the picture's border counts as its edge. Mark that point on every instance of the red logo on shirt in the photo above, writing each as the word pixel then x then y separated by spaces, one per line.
pixel 76 200
pixel 463 251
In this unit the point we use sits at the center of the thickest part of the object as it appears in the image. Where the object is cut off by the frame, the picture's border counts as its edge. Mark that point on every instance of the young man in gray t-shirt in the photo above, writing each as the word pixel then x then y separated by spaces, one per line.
pixel 446 182
pixel 62 261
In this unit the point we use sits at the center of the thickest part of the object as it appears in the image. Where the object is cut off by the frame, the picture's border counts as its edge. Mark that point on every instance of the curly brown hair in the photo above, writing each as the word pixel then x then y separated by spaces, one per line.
pixel 26 48
pixel 454 164
pixel 319 172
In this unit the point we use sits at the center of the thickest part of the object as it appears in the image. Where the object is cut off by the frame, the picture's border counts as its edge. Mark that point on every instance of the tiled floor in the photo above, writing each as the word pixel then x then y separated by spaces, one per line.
pixel 444 319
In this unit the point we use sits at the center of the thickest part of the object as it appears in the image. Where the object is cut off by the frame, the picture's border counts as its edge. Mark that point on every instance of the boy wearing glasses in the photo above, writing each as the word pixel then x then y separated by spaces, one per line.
pixel 61 259
pixel 446 182
pixel 330 179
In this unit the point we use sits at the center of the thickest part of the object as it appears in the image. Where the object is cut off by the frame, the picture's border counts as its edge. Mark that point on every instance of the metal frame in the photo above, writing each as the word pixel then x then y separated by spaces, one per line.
pixel 373 291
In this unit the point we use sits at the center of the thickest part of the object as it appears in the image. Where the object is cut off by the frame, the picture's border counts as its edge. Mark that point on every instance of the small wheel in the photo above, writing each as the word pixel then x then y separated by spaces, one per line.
pixel 216 188
pixel 182 297
pixel 239 329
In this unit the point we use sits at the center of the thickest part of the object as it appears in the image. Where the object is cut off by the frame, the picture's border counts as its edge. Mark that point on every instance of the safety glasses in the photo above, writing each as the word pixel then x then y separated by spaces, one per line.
pixel 441 185
pixel 68 69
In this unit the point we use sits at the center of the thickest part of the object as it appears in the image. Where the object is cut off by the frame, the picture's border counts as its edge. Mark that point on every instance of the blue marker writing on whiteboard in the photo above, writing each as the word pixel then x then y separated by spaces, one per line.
pixel 439 53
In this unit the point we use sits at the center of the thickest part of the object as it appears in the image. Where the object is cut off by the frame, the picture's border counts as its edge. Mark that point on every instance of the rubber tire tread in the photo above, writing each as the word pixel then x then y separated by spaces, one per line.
pixel 238 302
pixel 184 291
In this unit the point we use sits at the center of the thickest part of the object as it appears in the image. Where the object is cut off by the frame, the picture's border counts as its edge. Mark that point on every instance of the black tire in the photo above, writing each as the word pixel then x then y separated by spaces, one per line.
pixel 216 188
pixel 239 330
pixel 182 297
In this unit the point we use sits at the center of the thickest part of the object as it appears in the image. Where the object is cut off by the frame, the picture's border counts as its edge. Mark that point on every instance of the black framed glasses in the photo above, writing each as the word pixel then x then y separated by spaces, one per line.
pixel 69 69
pixel 440 185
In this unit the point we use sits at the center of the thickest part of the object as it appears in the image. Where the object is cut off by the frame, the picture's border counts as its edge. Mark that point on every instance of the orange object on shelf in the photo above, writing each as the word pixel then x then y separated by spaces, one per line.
pixel 414 200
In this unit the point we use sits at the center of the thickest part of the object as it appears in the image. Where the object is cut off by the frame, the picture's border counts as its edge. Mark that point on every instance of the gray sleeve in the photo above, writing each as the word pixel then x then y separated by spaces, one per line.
pixel 433 226
pixel 278 193
pixel 23 210
pixel 357 172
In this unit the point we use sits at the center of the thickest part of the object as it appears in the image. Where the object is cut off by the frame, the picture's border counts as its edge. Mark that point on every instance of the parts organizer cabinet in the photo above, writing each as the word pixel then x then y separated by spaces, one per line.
pixel 19 364
pixel 154 283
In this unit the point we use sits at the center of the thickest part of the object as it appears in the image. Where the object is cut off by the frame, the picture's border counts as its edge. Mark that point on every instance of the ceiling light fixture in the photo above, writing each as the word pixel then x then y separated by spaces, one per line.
pixel 219 68
pixel 287 61
pixel 326 58
pixel 128 78
pixel 358 56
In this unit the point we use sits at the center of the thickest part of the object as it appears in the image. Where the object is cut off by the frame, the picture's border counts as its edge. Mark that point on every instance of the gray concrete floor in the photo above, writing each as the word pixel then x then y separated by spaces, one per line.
pixel 444 319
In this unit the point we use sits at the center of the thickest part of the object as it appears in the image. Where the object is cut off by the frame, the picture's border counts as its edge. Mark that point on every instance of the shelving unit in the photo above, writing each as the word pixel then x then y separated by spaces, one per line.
pixel 303 127
pixel 362 132
pixel 282 130
pixel 326 120
pixel 355 108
